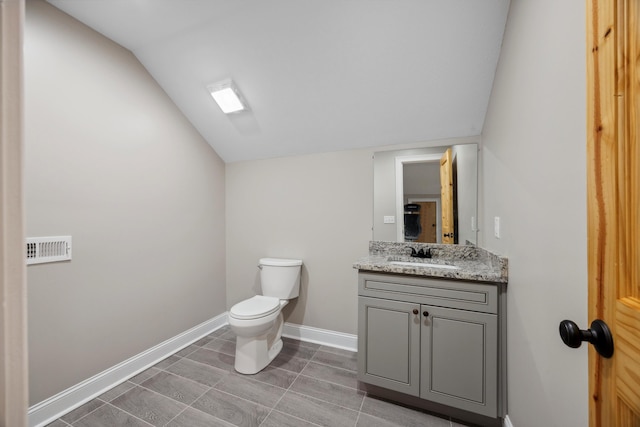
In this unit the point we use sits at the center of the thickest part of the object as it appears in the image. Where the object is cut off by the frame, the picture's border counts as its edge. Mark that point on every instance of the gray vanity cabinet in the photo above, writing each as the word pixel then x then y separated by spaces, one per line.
pixel 432 338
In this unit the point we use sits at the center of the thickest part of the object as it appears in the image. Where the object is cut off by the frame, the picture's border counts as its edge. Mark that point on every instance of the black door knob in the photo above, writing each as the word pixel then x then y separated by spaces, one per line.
pixel 599 335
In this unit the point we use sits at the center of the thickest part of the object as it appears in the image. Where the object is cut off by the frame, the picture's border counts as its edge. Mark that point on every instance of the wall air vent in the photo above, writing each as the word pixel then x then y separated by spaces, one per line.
pixel 48 249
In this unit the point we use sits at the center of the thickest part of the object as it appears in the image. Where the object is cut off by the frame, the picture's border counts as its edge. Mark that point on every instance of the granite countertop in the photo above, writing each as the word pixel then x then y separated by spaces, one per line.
pixel 473 264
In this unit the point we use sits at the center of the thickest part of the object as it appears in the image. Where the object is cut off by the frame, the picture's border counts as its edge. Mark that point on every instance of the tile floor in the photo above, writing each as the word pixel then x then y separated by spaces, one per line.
pixel 306 385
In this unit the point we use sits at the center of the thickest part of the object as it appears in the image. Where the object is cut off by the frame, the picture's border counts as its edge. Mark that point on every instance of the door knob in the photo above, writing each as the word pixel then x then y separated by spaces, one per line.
pixel 599 335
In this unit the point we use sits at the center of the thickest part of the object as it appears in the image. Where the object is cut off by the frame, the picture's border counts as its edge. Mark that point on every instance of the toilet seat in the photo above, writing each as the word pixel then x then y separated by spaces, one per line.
pixel 255 307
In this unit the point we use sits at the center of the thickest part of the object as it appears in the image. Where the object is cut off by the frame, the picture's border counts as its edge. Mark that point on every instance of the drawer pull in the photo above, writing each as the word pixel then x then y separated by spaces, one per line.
pixel 425 313
pixel 415 311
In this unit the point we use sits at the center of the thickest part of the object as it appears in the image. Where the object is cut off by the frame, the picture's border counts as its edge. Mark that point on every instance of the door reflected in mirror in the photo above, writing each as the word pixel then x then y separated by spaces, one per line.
pixel 426 195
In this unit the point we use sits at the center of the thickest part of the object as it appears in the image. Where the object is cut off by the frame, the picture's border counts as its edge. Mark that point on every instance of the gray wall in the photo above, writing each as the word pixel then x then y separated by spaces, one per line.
pixel 317 208
pixel 534 178
pixel 111 161
pixel 421 179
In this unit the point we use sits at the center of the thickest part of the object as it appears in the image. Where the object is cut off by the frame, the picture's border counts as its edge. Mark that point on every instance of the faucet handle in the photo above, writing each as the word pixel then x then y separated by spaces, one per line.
pixel 413 252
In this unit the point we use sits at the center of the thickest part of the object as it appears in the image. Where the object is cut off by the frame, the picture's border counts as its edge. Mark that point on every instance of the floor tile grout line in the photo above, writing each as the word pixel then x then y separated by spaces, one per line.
pixel 361 405
pixel 327 364
pixel 313 397
pixel 292 416
pixel 321 400
pixel 185 378
pixel 235 397
pixel 190 406
pixel 249 378
pixel 117 408
pixel 114 398
pixel 332 366
pixel 206 364
pixel 288 388
pixel 169 397
pixel 152 391
pixel 129 413
pixel 176 353
pixel 88 413
pixel 276 404
pixel 330 382
pixel 105 402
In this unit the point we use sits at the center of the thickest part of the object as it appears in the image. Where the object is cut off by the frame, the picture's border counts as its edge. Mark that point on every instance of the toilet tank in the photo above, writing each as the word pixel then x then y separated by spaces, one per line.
pixel 280 278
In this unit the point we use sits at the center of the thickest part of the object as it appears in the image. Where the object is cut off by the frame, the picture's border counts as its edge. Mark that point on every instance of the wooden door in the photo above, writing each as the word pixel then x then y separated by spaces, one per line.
pixel 427 222
pixel 613 213
pixel 446 195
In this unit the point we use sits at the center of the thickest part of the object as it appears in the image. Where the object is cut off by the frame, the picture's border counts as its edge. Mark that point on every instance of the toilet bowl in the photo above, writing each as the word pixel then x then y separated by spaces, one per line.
pixel 257 321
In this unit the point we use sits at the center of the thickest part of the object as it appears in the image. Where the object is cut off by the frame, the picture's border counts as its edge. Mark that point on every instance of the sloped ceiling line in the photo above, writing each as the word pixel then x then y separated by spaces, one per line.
pixel 319 75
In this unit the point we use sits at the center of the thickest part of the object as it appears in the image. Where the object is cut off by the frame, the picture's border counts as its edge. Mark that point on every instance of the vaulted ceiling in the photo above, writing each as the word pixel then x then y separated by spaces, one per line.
pixel 318 75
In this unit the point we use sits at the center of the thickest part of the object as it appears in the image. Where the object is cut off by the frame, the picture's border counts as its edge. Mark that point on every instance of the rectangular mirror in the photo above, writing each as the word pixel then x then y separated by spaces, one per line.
pixel 426 195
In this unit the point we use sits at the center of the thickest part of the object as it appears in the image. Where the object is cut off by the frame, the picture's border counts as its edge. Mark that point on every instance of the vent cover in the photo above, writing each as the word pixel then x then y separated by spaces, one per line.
pixel 48 249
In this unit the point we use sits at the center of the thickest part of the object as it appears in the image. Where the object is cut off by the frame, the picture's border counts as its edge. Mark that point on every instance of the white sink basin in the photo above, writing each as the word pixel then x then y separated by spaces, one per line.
pixel 423 264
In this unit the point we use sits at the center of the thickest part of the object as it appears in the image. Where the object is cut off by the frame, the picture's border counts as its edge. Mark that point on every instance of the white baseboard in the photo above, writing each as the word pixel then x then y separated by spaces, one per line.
pixel 507 421
pixel 321 336
pixel 54 407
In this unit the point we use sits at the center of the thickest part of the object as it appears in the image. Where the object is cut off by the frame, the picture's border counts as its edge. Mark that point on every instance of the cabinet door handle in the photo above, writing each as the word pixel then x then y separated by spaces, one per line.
pixel 415 311
pixel 425 313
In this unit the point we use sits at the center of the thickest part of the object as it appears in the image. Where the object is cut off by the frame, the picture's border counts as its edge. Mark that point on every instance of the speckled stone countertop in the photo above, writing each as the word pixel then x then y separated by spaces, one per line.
pixel 473 263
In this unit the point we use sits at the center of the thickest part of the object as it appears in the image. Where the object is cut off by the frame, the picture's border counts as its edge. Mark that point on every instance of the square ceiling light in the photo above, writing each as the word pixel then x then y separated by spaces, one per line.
pixel 227 96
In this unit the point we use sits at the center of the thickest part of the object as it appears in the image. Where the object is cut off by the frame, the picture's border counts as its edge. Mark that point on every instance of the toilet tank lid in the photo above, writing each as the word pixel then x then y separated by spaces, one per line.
pixel 280 262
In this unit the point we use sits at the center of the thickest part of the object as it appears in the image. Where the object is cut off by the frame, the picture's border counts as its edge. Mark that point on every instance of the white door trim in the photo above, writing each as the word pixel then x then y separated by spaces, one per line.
pixel 400 162
pixel 13 304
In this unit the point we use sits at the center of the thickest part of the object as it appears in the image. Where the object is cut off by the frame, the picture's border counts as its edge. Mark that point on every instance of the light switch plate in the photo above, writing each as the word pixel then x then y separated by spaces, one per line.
pixel 389 219
pixel 496 227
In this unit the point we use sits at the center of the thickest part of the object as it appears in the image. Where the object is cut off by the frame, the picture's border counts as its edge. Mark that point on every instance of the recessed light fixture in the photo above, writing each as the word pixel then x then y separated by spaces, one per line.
pixel 227 96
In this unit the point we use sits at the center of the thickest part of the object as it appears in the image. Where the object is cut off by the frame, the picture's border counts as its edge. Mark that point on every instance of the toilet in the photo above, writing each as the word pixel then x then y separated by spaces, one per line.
pixel 257 321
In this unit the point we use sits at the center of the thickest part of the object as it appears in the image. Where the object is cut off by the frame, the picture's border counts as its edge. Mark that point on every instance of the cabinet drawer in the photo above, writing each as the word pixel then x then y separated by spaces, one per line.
pixel 472 296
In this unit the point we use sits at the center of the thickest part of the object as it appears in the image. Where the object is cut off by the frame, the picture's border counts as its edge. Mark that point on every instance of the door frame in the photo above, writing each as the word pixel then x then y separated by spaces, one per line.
pixel 13 309
pixel 400 162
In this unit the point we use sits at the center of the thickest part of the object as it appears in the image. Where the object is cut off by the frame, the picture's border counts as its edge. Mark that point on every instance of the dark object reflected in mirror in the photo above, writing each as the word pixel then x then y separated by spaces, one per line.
pixel 412 223
pixel 427 195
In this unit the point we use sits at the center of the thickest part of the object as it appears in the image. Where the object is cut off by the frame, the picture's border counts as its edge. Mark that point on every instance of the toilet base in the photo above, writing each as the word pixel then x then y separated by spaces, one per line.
pixel 253 354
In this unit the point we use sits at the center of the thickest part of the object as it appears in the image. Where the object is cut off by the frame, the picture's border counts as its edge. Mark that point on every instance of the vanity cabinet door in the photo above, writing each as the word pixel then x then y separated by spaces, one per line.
pixel 459 359
pixel 389 344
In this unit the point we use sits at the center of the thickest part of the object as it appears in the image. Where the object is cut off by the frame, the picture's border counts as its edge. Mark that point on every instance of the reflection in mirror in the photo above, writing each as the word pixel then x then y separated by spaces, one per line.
pixel 426 195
